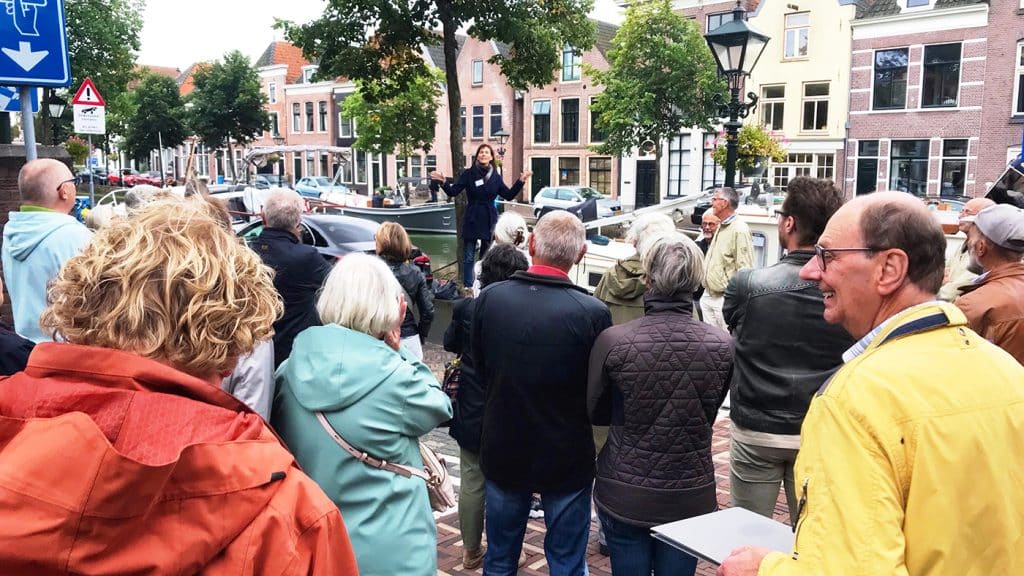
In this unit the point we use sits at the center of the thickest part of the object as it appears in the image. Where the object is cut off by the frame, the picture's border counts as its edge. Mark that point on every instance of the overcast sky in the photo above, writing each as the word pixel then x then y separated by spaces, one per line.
pixel 178 33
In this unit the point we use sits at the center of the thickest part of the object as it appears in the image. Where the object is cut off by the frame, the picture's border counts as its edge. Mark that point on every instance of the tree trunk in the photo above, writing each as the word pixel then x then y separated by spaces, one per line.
pixel 451 52
pixel 231 162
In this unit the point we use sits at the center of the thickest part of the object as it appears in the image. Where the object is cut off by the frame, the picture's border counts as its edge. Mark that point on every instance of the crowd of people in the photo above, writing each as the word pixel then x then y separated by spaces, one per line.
pixel 178 401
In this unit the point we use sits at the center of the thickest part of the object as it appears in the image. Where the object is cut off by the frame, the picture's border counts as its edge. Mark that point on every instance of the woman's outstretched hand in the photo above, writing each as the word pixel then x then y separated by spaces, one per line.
pixel 525 176
pixel 435 175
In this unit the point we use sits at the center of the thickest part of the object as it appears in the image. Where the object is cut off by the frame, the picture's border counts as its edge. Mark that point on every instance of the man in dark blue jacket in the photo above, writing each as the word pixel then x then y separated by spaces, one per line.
pixel 299 269
pixel 531 340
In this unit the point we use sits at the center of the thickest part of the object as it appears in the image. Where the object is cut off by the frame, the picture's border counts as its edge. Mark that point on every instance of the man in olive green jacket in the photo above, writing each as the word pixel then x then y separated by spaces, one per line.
pixel 731 249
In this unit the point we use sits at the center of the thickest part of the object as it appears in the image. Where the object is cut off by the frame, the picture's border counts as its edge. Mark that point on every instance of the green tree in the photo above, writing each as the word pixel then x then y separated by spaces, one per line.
pixel 391 57
pixel 157 116
pixel 662 79
pixel 395 121
pixel 103 37
pixel 228 104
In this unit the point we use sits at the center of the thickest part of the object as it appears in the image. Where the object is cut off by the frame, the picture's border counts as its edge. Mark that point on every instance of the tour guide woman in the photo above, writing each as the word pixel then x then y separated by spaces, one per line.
pixel 483 184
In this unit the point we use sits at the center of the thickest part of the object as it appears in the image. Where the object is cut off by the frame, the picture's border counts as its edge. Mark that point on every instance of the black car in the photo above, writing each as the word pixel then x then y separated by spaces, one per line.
pixel 333 235
pixel 99 176
pixel 266 181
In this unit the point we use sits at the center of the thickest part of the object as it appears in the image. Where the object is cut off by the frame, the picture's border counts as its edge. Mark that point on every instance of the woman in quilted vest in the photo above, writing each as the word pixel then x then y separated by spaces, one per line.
pixel 658 381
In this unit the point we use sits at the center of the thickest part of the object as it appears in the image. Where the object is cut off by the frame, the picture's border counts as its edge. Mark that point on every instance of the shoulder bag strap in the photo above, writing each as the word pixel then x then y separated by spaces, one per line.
pixel 400 469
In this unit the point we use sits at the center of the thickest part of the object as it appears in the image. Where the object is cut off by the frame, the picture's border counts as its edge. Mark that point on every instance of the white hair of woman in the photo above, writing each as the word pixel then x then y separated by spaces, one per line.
pixel 361 294
pixel 673 265
pixel 646 224
pixel 283 208
pixel 511 229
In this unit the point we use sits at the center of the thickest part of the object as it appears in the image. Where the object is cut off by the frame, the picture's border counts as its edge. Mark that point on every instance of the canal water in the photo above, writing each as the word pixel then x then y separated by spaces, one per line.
pixel 441 248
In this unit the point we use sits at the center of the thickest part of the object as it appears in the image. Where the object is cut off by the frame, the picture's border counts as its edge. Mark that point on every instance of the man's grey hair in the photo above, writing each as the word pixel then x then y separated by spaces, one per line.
pixel 38 181
pixel 674 267
pixel 731 195
pixel 283 208
pixel 558 239
pixel 649 223
pixel 142 195
pixel 361 294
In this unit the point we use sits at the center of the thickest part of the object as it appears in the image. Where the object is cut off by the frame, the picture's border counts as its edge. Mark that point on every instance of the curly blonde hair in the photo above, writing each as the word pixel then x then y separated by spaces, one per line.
pixel 170 283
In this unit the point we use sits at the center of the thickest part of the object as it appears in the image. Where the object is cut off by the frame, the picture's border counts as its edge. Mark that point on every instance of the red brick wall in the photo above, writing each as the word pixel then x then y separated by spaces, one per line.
pixel 999 129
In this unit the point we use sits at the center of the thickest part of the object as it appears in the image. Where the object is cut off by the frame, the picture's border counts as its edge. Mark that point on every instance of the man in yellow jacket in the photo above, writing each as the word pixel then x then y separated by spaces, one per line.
pixel 910 461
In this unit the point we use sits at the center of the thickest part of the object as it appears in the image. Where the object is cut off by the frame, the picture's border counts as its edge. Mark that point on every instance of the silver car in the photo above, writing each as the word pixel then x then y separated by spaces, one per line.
pixel 563 197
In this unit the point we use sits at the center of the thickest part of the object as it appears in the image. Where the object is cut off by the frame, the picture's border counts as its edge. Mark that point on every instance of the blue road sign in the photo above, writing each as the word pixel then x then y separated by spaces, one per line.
pixel 33 43
pixel 11 102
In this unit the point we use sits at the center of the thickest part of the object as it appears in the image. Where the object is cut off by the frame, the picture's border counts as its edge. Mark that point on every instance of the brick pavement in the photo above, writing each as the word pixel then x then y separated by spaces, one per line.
pixel 449 543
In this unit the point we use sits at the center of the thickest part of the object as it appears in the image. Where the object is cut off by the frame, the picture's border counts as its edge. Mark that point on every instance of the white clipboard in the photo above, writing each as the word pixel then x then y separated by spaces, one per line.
pixel 713 536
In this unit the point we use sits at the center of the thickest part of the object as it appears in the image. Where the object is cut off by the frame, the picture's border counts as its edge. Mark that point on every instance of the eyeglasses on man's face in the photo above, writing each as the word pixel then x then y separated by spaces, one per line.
pixel 826 255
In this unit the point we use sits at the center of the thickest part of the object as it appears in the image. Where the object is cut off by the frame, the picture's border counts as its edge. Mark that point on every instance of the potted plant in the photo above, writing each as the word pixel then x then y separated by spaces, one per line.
pixel 755 150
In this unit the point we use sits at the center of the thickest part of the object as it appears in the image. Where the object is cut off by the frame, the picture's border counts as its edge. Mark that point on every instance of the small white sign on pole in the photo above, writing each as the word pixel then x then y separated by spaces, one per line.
pixel 90 110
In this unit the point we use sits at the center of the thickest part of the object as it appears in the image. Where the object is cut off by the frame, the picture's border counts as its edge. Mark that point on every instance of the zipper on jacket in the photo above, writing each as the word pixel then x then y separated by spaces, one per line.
pixel 800 507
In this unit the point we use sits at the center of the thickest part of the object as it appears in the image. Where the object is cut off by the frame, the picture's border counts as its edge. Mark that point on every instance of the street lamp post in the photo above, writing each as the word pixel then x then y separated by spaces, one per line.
pixel 56 106
pixel 279 141
pixel 737 47
pixel 502 137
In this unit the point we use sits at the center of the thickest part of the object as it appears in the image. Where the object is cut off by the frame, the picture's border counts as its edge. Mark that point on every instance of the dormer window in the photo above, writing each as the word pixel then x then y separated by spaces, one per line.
pixel 307 74
pixel 910 4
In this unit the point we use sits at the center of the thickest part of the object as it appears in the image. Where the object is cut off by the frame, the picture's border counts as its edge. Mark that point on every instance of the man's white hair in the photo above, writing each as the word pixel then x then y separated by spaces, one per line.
pixel 649 223
pixel 558 239
pixel 283 208
pixel 509 228
pixel 361 294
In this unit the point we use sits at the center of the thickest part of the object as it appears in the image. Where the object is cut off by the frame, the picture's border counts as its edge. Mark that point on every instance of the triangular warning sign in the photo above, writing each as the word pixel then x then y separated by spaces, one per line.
pixel 88 94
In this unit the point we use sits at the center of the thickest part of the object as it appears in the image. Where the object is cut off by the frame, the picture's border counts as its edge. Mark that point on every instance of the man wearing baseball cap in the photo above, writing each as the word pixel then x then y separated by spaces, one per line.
pixel 994 303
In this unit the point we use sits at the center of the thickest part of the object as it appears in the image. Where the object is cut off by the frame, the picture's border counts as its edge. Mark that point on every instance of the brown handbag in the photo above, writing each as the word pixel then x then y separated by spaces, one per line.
pixel 435 470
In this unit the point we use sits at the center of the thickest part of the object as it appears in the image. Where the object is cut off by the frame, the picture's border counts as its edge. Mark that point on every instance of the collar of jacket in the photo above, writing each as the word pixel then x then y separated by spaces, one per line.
pixel 545 279
pixel 799 257
pixel 279 233
pixel 661 304
pixel 917 319
pixel 1008 270
pixel 123 370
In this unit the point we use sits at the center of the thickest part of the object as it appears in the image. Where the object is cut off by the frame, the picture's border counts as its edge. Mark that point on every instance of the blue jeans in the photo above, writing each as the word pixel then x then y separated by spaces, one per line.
pixel 468 256
pixel 566 517
pixel 634 552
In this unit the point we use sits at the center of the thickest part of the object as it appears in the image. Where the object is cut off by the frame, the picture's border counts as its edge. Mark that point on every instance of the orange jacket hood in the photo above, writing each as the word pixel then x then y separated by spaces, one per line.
pixel 112 463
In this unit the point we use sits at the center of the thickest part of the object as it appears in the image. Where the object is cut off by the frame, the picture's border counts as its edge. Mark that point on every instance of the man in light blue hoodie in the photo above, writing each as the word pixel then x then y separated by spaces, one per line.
pixel 38 239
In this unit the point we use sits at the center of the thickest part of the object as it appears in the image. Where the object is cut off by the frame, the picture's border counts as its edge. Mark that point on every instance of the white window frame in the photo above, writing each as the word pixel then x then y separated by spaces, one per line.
pixel 296 117
pixel 310 110
pixel 1018 73
pixel 478 72
pixel 771 103
pixel 576 64
pixel 483 117
pixel 590 171
pixel 322 110
pixel 272 92
pixel 533 123
pixel 920 79
pixel 590 123
pixel 491 116
pixel 275 127
pixel 561 121
pixel 796 30
pixel 805 99
pixel 943 159
pixel 906 86
pixel 346 126
pixel 724 16
pixel 680 158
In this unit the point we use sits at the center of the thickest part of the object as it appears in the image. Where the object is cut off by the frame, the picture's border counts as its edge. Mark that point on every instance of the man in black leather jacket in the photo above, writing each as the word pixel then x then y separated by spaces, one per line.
pixel 785 351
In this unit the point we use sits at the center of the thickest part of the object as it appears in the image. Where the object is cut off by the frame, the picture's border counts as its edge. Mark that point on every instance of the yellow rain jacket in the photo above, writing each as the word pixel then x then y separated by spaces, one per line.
pixel 911 460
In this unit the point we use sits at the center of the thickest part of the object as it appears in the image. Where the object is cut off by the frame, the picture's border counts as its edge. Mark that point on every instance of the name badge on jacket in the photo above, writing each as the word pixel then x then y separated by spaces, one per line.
pixel 479 182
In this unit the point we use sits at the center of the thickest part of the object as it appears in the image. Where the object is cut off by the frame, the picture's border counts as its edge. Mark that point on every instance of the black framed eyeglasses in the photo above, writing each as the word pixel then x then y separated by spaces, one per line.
pixel 826 255
pixel 68 181
pixel 781 213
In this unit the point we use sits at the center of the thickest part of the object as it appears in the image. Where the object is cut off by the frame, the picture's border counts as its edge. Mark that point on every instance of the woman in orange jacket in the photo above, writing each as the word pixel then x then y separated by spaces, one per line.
pixel 119 452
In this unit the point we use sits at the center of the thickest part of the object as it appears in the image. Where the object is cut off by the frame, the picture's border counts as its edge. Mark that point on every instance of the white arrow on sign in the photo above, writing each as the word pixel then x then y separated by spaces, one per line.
pixel 24 56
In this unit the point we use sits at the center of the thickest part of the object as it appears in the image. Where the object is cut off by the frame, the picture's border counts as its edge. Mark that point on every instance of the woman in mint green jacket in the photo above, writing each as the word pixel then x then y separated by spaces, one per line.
pixel 380 399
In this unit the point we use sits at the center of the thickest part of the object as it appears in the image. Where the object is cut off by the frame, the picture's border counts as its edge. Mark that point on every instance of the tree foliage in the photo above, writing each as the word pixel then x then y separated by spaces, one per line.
pixel 157 116
pixel 395 121
pixel 103 37
pixel 662 79
pixel 752 143
pixel 227 104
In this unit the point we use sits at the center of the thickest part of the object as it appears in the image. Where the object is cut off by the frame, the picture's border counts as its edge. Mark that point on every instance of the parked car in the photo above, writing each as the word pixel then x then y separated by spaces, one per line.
pixel 563 197
pixel 333 235
pixel 123 177
pixel 778 195
pixel 264 181
pixel 99 176
pixel 151 178
pixel 314 186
